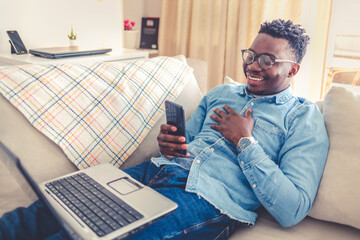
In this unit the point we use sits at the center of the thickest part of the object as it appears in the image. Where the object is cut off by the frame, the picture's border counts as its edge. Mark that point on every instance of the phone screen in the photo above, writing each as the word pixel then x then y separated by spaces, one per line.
pixel 17 42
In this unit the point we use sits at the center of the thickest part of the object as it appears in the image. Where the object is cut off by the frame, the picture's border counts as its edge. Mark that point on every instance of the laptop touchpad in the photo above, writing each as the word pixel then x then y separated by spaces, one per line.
pixel 124 185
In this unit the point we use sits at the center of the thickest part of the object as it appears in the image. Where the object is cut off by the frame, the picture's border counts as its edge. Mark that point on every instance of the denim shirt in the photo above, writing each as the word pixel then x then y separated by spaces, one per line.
pixel 281 171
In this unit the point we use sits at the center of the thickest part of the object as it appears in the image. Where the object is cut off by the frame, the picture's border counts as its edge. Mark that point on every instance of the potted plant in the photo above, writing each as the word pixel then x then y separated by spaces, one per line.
pixel 130 35
pixel 72 36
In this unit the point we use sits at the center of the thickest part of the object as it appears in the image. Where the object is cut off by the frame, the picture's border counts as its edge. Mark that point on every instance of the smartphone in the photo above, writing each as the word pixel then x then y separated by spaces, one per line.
pixel 16 42
pixel 175 116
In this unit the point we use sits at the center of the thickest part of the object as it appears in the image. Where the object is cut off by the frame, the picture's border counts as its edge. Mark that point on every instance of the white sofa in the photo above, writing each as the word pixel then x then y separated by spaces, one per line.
pixel 336 212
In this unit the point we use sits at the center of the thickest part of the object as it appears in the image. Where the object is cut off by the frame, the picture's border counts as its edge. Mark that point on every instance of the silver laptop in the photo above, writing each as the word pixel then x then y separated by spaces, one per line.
pixel 70 51
pixel 100 202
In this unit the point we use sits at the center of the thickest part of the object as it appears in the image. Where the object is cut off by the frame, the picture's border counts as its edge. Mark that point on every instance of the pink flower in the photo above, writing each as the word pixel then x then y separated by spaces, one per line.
pixel 128 25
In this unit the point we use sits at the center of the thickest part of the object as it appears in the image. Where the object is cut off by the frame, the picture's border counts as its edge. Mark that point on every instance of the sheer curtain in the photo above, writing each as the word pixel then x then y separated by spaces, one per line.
pixel 196 29
pixel 316 20
pixel 216 30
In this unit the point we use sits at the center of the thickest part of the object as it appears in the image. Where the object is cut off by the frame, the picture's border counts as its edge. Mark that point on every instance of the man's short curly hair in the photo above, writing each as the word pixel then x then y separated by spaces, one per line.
pixel 294 33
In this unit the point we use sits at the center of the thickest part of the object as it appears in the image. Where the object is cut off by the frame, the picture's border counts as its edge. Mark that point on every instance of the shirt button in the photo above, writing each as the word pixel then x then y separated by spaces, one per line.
pixel 254 185
pixel 252 104
pixel 212 149
pixel 242 162
pixel 198 161
pixel 270 101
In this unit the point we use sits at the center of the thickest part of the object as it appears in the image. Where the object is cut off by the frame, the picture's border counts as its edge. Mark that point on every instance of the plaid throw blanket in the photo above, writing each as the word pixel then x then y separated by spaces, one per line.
pixel 99 112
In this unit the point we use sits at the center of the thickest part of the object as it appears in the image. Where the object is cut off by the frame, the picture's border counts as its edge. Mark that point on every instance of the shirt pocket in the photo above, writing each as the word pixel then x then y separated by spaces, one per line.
pixel 269 136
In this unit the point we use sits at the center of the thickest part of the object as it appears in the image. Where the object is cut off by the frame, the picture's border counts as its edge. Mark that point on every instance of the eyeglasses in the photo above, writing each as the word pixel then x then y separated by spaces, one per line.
pixel 264 60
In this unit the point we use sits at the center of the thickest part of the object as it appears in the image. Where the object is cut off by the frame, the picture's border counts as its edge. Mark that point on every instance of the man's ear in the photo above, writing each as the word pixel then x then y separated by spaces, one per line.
pixel 294 70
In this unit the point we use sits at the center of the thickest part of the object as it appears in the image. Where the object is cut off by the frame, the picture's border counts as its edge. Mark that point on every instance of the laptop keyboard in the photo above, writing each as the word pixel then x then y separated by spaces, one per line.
pixel 96 206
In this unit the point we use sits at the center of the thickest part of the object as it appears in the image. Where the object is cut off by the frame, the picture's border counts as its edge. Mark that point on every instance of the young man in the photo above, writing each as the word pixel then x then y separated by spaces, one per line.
pixel 248 146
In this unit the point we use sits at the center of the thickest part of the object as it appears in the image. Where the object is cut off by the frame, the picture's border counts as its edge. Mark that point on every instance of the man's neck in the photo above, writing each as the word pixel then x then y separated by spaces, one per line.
pixel 265 95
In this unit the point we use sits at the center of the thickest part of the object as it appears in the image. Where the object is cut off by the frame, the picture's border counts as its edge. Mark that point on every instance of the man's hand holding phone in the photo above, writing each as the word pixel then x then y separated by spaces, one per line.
pixel 171 138
pixel 171 144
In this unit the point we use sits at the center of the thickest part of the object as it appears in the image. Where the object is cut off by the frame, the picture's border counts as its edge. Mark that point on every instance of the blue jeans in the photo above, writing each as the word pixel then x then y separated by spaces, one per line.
pixel 195 218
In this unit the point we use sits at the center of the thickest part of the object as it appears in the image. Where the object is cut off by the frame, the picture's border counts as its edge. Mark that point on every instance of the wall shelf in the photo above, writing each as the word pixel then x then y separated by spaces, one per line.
pixel 7 59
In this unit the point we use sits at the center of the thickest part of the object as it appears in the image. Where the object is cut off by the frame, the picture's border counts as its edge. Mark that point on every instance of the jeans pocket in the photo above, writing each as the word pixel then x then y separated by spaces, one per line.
pixel 169 175
pixel 210 227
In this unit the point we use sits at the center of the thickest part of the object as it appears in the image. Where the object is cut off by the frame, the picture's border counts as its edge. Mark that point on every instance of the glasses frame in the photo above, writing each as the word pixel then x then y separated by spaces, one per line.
pixel 258 56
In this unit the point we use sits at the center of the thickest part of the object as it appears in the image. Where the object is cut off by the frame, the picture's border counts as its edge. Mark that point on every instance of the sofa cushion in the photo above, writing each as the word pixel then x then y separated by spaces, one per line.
pixel 338 197
pixel 266 228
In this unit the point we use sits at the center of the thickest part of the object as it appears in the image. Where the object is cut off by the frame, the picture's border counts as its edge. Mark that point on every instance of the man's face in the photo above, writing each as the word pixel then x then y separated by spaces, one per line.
pixel 278 77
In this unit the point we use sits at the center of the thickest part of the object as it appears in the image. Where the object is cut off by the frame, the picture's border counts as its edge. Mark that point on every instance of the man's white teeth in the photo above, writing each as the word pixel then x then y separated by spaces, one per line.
pixel 255 79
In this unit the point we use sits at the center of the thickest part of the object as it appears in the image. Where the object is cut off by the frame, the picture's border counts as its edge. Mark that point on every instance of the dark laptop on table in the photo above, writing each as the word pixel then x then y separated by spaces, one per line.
pixel 100 202
pixel 70 51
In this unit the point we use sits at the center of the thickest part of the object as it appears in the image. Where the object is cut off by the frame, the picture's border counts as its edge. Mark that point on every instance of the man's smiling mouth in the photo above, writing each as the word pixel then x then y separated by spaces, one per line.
pixel 255 78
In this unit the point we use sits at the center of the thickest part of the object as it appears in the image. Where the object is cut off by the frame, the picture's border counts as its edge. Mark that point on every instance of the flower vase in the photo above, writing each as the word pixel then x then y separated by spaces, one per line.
pixel 72 42
pixel 131 39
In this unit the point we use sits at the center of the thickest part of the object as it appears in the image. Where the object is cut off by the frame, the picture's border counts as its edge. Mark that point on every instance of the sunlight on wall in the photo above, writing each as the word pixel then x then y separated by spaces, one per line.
pixel 309 80
pixel 46 23
pixel 344 20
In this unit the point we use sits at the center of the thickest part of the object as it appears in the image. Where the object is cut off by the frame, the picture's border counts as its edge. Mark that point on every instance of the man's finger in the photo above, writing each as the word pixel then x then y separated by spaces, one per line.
pixel 219 112
pixel 228 109
pixel 168 128
pixel 248 113
pixel 170 153
pixel 170 138
pixel 215 118
pixel 215 127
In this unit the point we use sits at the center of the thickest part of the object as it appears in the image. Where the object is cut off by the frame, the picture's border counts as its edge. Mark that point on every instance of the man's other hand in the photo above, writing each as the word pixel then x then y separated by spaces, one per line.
pixel 232 125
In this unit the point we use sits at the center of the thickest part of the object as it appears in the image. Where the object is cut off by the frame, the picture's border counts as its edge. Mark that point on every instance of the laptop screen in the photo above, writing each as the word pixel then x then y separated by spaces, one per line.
pixel 15 160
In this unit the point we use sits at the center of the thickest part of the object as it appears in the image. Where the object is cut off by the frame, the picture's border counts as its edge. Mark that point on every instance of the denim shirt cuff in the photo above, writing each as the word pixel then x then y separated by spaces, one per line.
pixel 251 155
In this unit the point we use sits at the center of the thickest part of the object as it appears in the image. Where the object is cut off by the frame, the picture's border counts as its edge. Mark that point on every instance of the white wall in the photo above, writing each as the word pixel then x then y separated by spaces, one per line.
pixel 46 23
pixel 135 10
pixel 152 8
pixel 302 79
pixel 345 20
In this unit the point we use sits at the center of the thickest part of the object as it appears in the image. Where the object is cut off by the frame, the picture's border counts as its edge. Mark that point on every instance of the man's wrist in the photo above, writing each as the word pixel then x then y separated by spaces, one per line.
pixel 244 143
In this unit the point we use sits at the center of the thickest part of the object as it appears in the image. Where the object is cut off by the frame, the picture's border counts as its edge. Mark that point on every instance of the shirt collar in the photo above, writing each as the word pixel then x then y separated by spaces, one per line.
pixel 280 98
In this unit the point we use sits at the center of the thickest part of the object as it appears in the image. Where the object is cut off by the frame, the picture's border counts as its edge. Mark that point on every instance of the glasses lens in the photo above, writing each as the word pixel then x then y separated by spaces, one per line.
pixel 265 62
pixel 248 56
